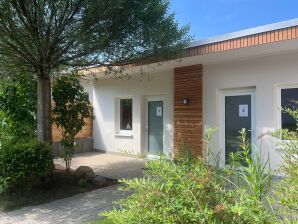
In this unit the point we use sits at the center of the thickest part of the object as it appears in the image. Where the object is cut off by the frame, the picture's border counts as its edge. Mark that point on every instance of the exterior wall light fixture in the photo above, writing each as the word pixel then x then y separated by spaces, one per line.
pixel 185 101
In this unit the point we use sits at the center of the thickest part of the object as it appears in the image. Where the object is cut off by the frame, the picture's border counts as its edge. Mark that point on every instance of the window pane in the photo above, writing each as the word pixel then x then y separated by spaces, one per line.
pixel 126 114
pixel 289 99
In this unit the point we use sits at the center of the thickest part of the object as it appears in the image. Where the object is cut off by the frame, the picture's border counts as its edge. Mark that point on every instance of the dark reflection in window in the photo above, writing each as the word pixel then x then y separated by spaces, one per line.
pixel 289 99
pixel 126 114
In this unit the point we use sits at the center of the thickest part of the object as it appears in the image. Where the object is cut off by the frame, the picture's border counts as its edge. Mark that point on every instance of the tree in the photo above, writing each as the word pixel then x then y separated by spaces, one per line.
pixel 18 105
pixel 71 108
pixel 46 36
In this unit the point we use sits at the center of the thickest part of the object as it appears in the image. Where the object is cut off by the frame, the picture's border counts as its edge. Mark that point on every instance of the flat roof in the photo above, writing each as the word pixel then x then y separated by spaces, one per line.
pixel 246 32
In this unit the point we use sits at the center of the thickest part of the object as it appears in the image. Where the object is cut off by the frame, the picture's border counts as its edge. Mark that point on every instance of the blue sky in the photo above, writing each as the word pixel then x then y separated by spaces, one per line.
pixel 209 18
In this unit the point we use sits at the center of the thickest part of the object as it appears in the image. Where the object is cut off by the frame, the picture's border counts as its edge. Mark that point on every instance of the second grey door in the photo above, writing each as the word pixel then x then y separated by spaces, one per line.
pixel 238 115
pixel 155 127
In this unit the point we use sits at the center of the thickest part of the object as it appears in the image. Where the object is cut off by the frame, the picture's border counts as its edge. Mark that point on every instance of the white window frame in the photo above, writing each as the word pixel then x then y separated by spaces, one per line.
pixel 118 131
pixel 278 101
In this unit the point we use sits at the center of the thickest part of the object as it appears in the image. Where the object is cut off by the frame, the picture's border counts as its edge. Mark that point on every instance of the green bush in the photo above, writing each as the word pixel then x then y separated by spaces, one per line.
pixel 250 179
pixel 18 103
pixel 23 161
pixel 71 108
pixel 187 191
pixel 286 191
pixel 181 192
pixel 191 191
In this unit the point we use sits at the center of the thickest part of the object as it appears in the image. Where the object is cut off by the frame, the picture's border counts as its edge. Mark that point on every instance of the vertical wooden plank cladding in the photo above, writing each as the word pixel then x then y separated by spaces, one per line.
pixel 188 118
pixel 271 36
pixel 86 131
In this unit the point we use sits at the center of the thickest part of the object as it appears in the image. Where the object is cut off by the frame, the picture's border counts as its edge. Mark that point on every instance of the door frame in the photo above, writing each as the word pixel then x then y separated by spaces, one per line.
pixel 236 92
pixel 146 150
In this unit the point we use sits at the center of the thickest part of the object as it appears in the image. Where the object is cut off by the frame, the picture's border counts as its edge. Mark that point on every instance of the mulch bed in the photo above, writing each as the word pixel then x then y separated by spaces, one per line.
pixel 63 185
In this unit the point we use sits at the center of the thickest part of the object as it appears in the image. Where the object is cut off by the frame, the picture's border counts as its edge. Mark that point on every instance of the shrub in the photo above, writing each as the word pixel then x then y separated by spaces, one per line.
pixel 183 192
pixel 191 191
pixel 23 161
pixel 18 102
pixel 250 178
pixel 286 191
pixel 70 110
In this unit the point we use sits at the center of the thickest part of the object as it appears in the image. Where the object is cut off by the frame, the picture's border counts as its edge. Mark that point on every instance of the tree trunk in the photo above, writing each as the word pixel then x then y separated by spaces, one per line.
pixel 44 107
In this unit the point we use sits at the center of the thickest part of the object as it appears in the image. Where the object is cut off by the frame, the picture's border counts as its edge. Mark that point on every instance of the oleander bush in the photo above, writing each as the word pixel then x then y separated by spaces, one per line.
pixel 185 191
pixel 189 190
pixel 22 162
pixel 286 191
pixel 250 180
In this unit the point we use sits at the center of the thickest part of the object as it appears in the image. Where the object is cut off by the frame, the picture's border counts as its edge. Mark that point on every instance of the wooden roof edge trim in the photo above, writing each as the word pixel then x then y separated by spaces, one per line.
pixel 247 32
pixel 273 36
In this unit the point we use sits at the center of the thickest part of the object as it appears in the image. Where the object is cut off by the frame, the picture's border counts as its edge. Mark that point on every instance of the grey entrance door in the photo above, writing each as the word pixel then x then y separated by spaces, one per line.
pixel 238 115
pixel 155 127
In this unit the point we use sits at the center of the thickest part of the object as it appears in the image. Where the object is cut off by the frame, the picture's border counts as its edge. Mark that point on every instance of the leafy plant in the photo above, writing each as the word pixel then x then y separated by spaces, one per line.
pixel 4 126
pixel 189 190
pixel 249 177
pixel 18 106
pixel 286 191
pixel 184 191
pixel 210 156
pixel 71 108
pixel 23 161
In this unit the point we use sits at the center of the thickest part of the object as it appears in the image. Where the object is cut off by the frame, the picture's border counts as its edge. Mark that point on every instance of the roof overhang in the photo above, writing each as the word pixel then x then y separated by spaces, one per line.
pixel 272 39
pixel 277 48
pixel 247 32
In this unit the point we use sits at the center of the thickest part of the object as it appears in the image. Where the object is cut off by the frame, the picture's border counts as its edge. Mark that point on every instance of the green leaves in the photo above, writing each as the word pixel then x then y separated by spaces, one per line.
pixel 44 35
pixel 18 106
pixel 181 192
pixel 286 191
pixel 71 108
pixel 23 161
pixel 190 190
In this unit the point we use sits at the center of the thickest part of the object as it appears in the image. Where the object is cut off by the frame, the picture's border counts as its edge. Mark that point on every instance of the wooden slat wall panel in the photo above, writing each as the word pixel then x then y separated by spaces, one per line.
pixel 246 41
pixel 188 118
pixel 85 133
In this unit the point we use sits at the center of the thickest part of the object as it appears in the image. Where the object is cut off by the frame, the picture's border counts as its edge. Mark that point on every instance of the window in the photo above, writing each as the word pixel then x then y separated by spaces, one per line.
pixel 126 114
pixel 289 99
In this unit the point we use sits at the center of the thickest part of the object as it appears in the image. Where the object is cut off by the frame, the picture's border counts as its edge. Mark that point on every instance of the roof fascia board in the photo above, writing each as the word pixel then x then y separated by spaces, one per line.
pixel 247 32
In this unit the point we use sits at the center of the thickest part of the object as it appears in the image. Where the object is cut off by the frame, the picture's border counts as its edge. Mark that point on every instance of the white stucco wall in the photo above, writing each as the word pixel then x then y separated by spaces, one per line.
pixel 88 87
pixel 105 94
pixel 264 74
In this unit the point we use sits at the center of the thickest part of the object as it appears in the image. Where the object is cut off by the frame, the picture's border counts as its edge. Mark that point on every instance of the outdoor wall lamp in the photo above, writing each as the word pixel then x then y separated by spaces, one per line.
pixel 185 101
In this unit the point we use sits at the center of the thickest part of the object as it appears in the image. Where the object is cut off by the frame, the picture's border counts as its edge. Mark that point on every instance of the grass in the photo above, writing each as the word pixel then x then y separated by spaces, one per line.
pixel 63 185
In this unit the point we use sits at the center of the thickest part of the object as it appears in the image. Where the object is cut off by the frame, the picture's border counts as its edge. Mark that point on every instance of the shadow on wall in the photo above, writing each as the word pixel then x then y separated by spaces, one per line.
pixel 82 145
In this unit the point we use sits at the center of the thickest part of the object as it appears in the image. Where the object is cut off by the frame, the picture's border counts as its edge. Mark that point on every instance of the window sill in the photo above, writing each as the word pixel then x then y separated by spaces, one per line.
pixel 128 134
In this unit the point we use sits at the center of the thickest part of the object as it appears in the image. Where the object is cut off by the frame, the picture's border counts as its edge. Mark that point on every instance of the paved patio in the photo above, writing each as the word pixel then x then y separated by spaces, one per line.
pixel 80 208
pixel 83 207
pixel 110 165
